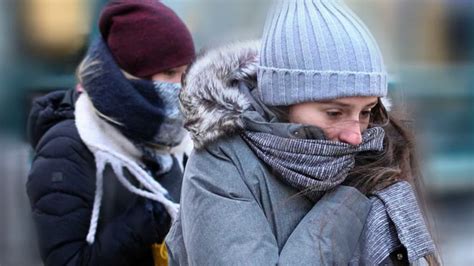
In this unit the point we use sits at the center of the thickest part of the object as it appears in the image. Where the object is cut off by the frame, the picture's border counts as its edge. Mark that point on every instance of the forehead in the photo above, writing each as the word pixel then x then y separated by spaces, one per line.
pixel 351 101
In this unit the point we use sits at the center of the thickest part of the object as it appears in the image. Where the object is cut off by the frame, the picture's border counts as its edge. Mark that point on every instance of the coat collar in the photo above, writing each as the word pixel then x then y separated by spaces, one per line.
pixel 214 95
pixel 211 100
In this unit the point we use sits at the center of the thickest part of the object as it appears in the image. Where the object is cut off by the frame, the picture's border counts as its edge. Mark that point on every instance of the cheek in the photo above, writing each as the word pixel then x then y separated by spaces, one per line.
pixel 176 78
pixel 306 116
pixel 159 77
pixel 364 126
pixel 313 117
pixel 331 133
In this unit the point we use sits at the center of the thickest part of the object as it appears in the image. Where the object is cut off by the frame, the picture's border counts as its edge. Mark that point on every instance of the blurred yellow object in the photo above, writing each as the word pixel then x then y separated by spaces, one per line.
pixel 160 254
pixel 57 27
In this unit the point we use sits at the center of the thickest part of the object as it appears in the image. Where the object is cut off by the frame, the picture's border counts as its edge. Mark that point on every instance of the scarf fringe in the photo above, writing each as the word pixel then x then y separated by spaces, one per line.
pixel 395 219
pixel 315 166
pixel 91 132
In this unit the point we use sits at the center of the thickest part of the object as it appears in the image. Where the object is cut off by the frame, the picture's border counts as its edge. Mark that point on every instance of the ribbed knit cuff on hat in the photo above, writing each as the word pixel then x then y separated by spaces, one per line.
pixel 284 87
pixel 315 50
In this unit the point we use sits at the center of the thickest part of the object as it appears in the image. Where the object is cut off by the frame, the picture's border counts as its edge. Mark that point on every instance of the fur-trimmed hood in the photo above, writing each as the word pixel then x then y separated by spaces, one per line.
pixel 211 100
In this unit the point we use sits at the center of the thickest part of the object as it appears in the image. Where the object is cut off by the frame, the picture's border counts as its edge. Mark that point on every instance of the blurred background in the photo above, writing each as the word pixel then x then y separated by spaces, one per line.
pixel 429 51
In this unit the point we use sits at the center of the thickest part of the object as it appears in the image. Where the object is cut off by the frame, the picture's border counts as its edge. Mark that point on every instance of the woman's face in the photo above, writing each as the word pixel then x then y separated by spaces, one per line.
pixel 172 75
pixel 342 119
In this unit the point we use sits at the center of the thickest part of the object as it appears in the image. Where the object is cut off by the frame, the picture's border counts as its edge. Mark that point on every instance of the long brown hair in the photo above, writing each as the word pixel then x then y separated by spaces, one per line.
pixel 374 171
pixel 397 162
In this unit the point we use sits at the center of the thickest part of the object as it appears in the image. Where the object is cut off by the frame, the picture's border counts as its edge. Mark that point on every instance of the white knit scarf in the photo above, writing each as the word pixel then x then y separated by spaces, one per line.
pixel 109 146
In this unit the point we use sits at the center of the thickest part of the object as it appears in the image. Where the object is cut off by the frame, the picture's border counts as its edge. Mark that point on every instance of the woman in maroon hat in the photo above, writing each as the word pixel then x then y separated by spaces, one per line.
pixel 104 184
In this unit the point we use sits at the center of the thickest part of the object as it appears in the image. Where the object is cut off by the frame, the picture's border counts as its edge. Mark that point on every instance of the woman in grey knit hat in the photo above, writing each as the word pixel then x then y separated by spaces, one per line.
pixel 297 160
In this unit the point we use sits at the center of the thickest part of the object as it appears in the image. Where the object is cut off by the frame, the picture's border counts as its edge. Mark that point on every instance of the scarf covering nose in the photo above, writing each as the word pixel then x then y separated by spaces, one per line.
pixel 133 106
pixel 314 166
pixel 171 130
pixel 311 165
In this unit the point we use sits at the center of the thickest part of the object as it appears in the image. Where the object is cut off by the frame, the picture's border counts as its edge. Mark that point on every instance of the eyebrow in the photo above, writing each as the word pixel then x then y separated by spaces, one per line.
pixel 346 105
pixel 174 69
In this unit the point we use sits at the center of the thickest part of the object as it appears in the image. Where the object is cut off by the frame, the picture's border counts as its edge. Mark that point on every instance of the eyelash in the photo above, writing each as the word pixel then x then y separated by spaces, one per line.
pixel 170 73
pixel 337 114
pixel 333 114
pixel 366 114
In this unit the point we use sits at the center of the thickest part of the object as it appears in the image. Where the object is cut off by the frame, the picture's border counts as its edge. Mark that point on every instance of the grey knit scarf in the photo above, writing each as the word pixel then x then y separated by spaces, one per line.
pixel 311 165
pixel 314 166
pixel 394 220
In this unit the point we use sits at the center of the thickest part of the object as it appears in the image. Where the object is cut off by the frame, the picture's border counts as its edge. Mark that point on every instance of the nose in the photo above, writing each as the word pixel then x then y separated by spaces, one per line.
pixel 351 134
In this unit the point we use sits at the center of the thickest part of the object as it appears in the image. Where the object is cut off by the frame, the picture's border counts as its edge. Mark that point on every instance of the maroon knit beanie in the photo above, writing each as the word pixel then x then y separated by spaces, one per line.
pixel 145 36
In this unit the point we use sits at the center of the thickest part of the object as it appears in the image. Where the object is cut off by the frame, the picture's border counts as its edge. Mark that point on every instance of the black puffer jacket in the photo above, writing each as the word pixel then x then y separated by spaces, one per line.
pixel 61 188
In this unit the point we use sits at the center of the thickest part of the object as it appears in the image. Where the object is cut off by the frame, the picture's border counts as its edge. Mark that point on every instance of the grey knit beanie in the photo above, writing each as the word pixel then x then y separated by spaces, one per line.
pixel 314 50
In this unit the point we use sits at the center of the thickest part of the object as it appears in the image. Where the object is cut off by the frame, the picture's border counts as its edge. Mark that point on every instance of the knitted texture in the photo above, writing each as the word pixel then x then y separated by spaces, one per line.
pixel 395 219
pixel 111 148
pixel 145 36
pixel 314 50
pixel 313 166
pixel 133 105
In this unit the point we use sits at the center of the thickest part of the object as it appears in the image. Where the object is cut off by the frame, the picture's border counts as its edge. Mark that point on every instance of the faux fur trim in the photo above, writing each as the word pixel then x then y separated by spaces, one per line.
pixel 210 99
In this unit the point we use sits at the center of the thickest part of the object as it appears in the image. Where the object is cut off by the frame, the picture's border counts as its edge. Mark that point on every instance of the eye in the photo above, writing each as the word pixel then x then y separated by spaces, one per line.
pixel 366 114
pixel 170 72
pixel 334 114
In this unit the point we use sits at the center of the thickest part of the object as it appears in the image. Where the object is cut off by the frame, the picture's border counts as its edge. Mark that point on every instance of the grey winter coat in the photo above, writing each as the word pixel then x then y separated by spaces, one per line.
pixel 234 210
